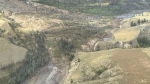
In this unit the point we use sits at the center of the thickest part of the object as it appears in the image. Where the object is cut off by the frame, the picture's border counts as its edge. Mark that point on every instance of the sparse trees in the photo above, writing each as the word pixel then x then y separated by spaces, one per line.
pixel 66 48
pixel 133 24
pixel 36 57
pixel 143 42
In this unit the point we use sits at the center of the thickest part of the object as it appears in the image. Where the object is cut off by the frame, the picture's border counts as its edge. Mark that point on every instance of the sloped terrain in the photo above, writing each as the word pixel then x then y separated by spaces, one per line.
pixel 28 27
pixel 126 34
pixel 99 7
pixel 135 65
pixel 10 53
pixel 118 66
pixel 15 6
pixel 58 33
pixel 94 68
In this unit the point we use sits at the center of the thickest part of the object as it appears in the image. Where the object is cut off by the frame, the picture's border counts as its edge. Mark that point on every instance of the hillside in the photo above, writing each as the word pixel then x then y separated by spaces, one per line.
pixel 14 54
pixel 117 66
pixel 17 50
pixel 74 41
pixel 99 7
pixel 9 52
pixel 53 34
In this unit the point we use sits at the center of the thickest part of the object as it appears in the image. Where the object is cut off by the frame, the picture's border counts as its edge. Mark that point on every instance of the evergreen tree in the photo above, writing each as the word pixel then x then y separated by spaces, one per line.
pixel 139 22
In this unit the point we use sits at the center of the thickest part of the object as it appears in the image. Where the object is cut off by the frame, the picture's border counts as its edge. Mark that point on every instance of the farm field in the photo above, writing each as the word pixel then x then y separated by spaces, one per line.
pixel 10 53
pixel 126 34
pixel 135 66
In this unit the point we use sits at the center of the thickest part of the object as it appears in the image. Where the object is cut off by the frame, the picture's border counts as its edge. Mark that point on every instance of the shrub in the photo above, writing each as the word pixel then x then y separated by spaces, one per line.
pixel 143 42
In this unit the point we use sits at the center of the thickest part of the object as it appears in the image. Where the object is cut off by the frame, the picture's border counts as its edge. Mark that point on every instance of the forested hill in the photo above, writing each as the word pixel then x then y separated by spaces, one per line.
pixel 100 7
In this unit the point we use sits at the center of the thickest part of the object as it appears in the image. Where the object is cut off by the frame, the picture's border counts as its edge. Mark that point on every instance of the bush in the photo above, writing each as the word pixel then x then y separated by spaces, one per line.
pixel 143 42
pixel 101 71
pixel 133 24
pixel 66 48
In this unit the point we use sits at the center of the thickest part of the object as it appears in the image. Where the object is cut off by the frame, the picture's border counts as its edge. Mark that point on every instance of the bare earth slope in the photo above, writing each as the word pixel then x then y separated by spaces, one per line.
pixel 135 64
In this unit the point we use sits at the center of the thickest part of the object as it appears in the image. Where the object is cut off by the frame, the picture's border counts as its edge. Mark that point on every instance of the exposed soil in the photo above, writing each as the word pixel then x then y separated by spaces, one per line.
pixel 135 64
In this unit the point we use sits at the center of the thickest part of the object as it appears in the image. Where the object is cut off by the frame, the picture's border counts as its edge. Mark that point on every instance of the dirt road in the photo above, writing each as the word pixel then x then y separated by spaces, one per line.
pixel 47 75
pixel 135 64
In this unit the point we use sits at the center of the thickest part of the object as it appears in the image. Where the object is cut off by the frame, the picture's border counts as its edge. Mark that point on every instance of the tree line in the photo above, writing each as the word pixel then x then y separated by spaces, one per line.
pixel 143 42
pixel 132 24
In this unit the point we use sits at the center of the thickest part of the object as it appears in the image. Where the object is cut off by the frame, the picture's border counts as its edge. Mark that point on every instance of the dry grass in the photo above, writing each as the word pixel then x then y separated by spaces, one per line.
pixel 126 22
pixel 4 25
pixel 146 50
pixel 135 63
pixel 100 4
pixel 33 22
pixel 145 15
pixel 10 53
pixel 126 34
pixel 99 23
pixel 90 62
pixel 93 61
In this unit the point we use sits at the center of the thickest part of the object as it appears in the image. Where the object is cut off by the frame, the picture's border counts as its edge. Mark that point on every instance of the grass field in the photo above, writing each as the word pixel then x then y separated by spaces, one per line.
pixel 4 25
pixel 91 65
pixel 10 53
pixel 98 8
pixel 146 50
pixel 89 62
pixel 127 22
pixel 126 34
pixel 141 16
pixel 43 22
pixel 92 62
pixel 135 65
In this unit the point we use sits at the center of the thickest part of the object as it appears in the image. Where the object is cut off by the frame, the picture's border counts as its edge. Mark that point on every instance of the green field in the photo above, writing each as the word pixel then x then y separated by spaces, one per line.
pixel 102 8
